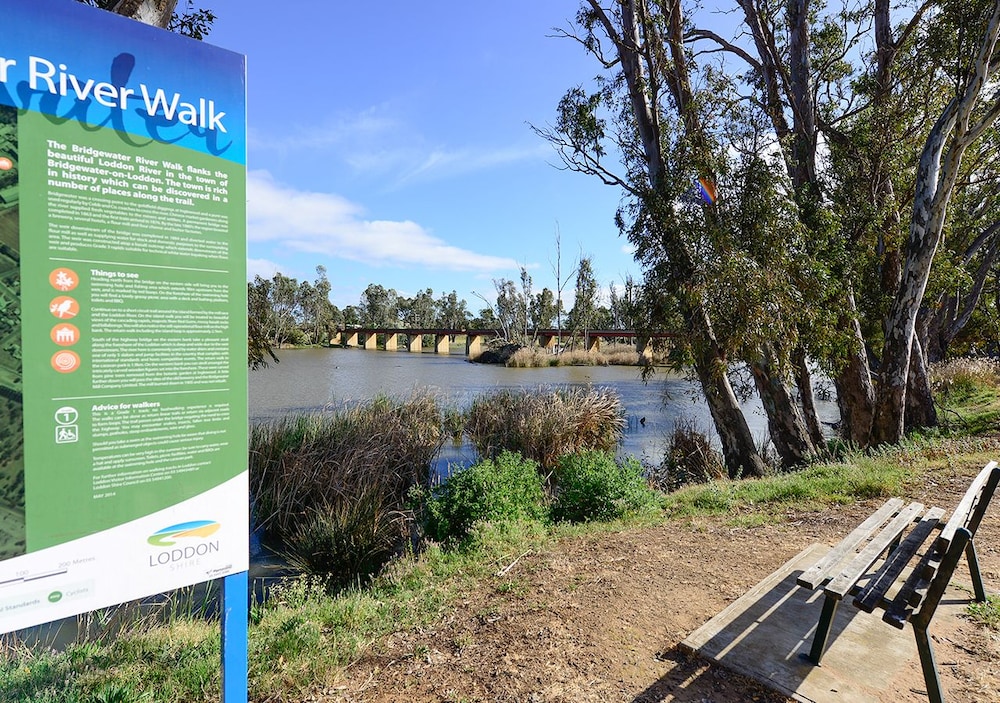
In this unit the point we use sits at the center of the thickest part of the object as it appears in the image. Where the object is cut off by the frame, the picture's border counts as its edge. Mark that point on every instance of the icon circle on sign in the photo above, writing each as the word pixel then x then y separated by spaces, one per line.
pixel 64 307
pixel 65 335
pixel 6 164
pixel 66 415
pixel 64 279
pixel 65 361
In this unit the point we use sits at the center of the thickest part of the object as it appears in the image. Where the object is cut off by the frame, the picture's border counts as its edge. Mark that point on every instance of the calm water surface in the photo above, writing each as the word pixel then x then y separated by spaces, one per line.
pixel 313 379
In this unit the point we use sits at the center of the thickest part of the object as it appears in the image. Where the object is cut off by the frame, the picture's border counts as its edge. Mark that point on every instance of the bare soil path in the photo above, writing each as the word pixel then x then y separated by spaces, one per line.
pixel 598 618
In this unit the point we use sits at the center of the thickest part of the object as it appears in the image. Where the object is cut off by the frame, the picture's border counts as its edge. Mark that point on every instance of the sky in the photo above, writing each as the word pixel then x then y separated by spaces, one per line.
pixel 391 143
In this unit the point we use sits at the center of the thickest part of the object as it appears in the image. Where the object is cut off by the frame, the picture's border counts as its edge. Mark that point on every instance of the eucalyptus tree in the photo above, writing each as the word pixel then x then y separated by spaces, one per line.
pixel 379 306
pixel 419 311
pixel 543 310
pixel 707 210
pixel 585 303
pixel 453 312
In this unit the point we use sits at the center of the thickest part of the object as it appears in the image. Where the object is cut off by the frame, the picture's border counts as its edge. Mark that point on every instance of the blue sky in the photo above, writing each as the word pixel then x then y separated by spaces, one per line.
pixel 390 142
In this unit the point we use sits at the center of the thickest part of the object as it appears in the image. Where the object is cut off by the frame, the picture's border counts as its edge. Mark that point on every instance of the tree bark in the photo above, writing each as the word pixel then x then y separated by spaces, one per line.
pixel 784 422
pixel 803 382
pixel 920 411
pixel 739 451
pixel 855 391
pixel 154 12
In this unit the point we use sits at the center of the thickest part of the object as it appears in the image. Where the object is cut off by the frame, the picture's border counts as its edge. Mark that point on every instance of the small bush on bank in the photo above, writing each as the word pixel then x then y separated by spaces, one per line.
pixel 347 542
pixel 545 424
pixel 689 459
pixel 594 486
pixel 505 489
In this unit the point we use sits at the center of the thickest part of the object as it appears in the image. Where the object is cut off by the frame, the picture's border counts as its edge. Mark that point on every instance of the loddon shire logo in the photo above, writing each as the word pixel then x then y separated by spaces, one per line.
pixel 167 538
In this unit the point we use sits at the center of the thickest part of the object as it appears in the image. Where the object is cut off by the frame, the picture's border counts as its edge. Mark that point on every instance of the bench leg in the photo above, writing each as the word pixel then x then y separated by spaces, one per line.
pixel 977 578
pixel 823 629
pixel 929 666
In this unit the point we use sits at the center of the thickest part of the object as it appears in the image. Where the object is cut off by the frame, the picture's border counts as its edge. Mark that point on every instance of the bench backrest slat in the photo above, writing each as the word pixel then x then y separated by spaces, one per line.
pixel 971 508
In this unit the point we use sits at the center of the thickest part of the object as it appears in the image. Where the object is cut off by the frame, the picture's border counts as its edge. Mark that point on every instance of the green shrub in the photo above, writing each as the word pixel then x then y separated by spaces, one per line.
pixel 594 486
pixel 507 488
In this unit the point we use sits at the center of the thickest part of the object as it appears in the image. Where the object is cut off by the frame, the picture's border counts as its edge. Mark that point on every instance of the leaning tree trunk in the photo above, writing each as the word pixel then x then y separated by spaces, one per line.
pixel 788 431
pixel 920 411
pixel 937 174
pixel 803 382
pixel 738 448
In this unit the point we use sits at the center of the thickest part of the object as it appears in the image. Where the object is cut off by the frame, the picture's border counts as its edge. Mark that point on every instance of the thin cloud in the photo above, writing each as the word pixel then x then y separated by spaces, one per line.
pixel 328 224
pixel 261 267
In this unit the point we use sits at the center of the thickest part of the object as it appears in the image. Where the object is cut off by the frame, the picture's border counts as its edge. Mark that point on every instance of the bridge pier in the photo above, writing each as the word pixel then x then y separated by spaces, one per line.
pixel 442 344
pixel 352 339
pixel 370 341
pixel 335 339
pixel 416 343
pixel 548 342
pixel 644 345
pixel 391 341
pixel 593 344
pixel 473 345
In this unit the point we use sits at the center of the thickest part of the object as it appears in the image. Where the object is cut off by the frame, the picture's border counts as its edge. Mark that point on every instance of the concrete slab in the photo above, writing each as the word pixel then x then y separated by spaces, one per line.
pixel 766 633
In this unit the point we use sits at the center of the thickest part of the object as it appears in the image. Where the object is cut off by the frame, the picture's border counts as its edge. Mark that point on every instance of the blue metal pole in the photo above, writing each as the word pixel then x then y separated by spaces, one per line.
pixel 235 624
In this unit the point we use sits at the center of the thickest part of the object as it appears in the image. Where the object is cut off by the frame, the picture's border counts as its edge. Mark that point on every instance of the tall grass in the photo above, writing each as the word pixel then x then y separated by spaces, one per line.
pixel 544 424
pixel 613 355
pixel 331 487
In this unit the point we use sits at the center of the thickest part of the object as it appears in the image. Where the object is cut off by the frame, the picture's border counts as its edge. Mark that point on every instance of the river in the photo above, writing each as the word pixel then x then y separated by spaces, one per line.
pixel 312 379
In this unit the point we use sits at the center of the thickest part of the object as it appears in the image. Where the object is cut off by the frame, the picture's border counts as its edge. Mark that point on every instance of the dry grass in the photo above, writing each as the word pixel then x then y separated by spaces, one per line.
pixel 965 375
pixel 544 424
pixel 612 355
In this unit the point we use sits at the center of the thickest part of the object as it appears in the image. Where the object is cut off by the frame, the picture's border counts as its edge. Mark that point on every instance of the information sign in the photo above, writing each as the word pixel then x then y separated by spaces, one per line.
pixel 122 311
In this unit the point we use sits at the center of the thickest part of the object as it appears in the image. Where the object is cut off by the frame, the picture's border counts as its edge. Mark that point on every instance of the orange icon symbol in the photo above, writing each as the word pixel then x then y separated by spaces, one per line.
pixel 65 361
pixel 6 164
pixel 64 307
pixel 65 335
pixel 64 279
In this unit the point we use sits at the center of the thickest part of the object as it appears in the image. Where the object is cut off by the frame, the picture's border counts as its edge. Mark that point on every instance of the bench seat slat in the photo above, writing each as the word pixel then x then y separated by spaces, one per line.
pixel 874 593
pixel 842 584
pixel 824 569
pixel 912 593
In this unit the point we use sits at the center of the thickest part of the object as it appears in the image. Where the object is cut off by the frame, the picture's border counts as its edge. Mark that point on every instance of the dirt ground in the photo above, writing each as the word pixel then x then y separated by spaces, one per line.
pixel 599 618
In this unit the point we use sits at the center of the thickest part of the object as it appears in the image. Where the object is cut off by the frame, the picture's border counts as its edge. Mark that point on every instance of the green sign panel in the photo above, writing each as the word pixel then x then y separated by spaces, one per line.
pixel 122 312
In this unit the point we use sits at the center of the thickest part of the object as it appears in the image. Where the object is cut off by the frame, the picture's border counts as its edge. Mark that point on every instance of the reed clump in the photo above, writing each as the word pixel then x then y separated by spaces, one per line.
pixel 329 489
pixel 613 355
pixel 544 424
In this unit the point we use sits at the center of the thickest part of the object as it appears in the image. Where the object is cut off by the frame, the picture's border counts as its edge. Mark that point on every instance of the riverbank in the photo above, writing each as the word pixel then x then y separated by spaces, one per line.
pixel 532 610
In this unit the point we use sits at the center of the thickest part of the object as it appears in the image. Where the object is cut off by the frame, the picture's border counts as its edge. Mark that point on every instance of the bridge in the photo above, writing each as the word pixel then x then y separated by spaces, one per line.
pixel 368 338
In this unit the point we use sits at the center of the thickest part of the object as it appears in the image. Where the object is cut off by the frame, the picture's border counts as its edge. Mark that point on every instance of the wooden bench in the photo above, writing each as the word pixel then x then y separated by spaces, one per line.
pixel 903 534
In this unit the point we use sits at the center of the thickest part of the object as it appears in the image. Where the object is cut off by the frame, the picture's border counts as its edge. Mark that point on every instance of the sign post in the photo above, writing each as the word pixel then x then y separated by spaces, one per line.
pixel 122 316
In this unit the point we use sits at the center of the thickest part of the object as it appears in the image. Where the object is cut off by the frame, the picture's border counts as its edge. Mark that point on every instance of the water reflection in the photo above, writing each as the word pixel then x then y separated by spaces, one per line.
pixel 313 379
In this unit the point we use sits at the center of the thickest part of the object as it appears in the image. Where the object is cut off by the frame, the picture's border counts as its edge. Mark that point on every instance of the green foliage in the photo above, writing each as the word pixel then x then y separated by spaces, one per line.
pixel 986 614
pixel 505 489
pixel 592 486
pixel 862 477
pixel 330 488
